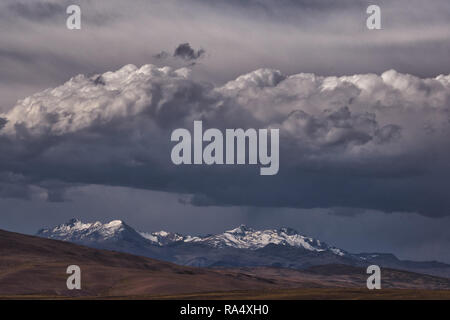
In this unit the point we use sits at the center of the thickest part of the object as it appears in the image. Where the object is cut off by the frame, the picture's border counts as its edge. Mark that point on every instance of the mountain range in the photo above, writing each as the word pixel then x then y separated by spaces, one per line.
pixel 239 247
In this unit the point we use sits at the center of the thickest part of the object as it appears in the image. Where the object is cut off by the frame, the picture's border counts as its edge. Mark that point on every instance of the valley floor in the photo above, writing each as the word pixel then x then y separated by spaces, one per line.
pixel 278 294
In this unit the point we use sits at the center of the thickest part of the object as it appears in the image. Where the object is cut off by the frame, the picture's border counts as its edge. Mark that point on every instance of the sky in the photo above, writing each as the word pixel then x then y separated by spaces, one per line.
pixel 86 117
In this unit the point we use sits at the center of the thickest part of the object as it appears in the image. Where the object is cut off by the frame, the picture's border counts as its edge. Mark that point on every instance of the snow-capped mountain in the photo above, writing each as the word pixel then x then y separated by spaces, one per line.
pixel 239 247
pixel 162 238
pixel 244 237
pixel 115 235
pixel 75 230
pixel 241 237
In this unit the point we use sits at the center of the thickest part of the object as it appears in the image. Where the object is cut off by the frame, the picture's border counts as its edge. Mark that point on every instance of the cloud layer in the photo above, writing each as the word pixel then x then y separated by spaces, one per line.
pixel 325 37
pixel 364 141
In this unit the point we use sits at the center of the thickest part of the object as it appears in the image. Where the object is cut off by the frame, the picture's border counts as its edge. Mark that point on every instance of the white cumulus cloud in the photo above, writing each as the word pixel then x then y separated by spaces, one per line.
pixel 365 141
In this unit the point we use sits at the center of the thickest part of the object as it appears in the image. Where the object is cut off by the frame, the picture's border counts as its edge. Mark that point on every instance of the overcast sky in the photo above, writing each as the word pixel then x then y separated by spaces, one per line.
pixel 86 117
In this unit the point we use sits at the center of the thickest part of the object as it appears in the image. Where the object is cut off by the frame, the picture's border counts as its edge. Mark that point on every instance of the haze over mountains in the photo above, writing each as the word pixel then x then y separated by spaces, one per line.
pixel 239 247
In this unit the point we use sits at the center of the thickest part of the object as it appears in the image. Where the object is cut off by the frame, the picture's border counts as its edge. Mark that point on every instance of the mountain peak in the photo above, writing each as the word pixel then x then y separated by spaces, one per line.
pixel 242 229
pixel 72 221
pixel 114 223
pixel 288 231
pixel 76 230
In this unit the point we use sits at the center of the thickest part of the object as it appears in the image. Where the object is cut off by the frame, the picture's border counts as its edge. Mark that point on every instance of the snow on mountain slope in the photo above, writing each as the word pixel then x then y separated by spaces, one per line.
pixel 162 238
pixel 77 231
pixel 241 237
pixel 247 238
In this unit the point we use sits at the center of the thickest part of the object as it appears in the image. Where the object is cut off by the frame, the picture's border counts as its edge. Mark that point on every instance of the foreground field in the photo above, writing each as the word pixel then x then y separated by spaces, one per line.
pixel 277 294
pixel 318 294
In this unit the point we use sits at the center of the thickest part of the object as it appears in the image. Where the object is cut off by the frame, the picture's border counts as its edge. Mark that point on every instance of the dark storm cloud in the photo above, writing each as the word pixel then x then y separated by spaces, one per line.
pixel 52 12
pixel 14 186
pixel 6 54
pixel 361 141
pixel 2 122
pixel 162 55
pixel 47 67
pixel 36 10
pixel 184 51
pixel 269 6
